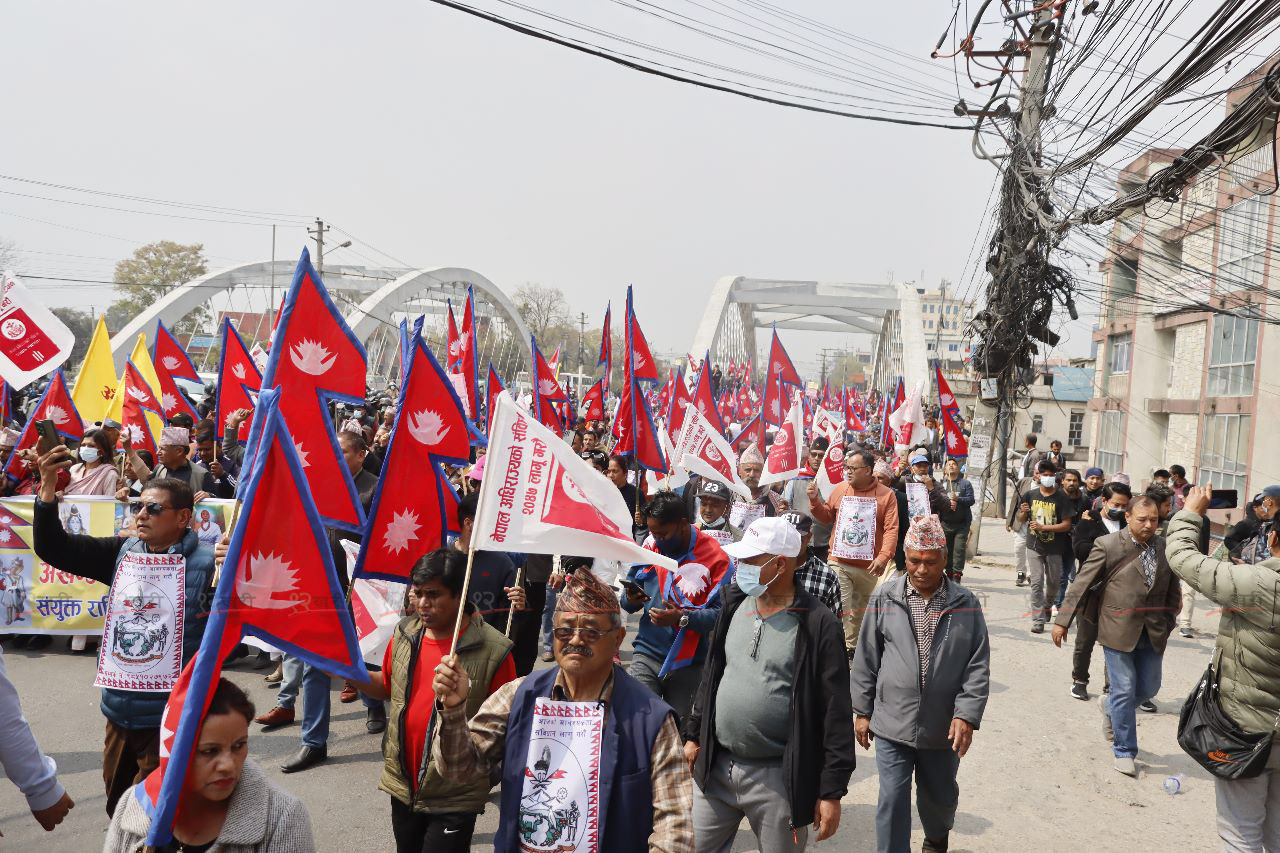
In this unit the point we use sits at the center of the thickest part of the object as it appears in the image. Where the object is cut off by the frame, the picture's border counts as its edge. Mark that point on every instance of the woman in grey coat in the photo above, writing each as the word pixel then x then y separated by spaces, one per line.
pixel 228 804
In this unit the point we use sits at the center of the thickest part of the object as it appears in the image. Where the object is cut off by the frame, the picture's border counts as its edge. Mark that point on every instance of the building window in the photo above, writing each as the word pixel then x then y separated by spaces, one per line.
pixel 1037 423
pixel 1232 355
pixel 1121 353
pixel 1242 246
pixel 953 347
pixel 1110 454
pixel 1075 429
pixel 1224 452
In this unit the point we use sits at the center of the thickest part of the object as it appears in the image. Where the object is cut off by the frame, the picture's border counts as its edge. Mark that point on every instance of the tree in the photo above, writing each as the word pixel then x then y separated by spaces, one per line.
pixel 81 324
pixel 153 271
pixel 543 308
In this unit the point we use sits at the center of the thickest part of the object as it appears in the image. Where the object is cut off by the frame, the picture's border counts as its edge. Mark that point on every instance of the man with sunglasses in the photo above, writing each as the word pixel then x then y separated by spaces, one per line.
pixel 643 799
pixel 162 519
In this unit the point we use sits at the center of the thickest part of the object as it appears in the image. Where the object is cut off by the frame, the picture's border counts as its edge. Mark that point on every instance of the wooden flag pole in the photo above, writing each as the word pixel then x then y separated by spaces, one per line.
pixel 511 610
pixel 462 605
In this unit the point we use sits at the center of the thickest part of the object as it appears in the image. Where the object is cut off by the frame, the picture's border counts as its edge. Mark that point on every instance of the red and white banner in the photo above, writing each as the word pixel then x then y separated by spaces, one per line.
pixel 831 472
pixel 538 497
pixel 907 421
pixel 701 449
pixel 784 461
pixel 33 341
pixel 826 425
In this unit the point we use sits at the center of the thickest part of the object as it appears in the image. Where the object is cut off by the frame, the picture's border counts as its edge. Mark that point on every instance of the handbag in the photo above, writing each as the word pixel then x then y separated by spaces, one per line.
pixel 1213 739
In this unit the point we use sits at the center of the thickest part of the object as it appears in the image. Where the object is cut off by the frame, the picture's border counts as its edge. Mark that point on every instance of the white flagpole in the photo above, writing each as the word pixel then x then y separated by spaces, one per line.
pixel 462 605
pixel 511 611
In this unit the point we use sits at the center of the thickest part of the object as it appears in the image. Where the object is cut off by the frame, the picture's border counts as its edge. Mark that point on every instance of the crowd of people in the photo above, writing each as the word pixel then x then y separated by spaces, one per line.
pixel 795 629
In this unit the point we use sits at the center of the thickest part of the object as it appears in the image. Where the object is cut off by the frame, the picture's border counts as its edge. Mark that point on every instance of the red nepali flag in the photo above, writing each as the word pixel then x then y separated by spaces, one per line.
pixel 780 372
pixel 54 405
pixel 317 358
pixel 172 362
pixel 454 345
pixel 638 437
pixel 696 583
pixel 430 428
pixel 752 432
pixel 138 400
pixel 852 418
pixel 238 379
pixel 640 363
pixel 744 404
pixel 278 584
pixel 492 388
pixel 663 402
pixel 546 392
pixel 675 408
pixel 957 444
pixel 469 358
pixel 606 346
pixel 702 397
pixel 726 407
pixel 593 400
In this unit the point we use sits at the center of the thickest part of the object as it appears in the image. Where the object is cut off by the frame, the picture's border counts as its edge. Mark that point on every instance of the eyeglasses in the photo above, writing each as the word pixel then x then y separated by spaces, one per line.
pixel 849 469
pixel 564 635
pixel 152 508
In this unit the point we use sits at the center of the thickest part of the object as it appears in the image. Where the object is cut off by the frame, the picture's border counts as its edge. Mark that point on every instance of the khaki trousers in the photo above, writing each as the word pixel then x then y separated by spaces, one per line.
pixel 856 586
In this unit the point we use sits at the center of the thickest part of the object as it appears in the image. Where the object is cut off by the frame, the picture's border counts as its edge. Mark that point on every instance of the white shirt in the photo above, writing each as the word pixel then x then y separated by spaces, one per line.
pixel 1112 526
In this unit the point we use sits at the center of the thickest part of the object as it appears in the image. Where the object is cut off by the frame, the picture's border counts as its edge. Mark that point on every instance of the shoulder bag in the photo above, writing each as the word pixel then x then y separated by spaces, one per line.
pixel 1213 739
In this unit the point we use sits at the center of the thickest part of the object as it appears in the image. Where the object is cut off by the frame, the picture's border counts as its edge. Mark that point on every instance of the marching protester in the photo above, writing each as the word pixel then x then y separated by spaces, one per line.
pixel 1071 487
pixel 1135 610
pixel 796 494
pixel 645 794
pixel 1094 480
pixel 1016 523
pixel 957 518
pixel 429 812
pixel 764 503
pixel 219 467
pixel 172 454
pixel 493 588
pixel 920 681
pixel 228 803
pixel 163 526
pixel 1246 660
pixel 870 531
pixel 34 773
pixel 1094 523
pixel 1048 514
pixel 94 474
pixel 812 574
pixel 883 473
pixel 769 736
pixel 713 511
pixel 676 615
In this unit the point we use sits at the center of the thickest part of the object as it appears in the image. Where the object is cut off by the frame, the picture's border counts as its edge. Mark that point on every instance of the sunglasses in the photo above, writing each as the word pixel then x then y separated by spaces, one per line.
pixel 152 508
pixel 591 635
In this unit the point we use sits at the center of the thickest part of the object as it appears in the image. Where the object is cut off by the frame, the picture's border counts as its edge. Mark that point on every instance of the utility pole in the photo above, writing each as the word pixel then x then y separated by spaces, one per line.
pixel 582 353
pixel 318 233
pixel 1017 235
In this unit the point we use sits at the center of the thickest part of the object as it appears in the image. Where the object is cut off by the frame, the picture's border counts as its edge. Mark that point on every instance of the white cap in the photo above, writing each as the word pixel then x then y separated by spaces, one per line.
pixel 766 536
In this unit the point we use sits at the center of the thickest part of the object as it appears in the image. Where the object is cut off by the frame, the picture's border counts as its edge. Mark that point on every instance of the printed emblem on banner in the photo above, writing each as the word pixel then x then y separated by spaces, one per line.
pixel 854 535
pixel 742 513
pixel 560 801
pixel 13 329
pixel 917 500
pixel 142 639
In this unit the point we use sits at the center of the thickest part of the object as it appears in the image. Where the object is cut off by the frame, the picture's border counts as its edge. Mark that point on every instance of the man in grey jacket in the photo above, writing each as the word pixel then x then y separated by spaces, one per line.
pixel 920 680
pixel 1247 655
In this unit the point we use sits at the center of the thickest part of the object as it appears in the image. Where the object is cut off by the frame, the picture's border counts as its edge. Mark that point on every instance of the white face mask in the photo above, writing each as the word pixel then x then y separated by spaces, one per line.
pixel 89 454
pixel 1048 481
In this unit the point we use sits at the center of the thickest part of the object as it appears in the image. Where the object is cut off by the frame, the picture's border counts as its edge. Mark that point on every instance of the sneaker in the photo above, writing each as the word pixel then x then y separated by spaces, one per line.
pixel 1080 690
pixel 275 676
pixel 547 655
pixel 1021 579
pixel 1037 628
pixel 1106 720
pixel 1124 764
pixel 1187 632
pixel 1148 707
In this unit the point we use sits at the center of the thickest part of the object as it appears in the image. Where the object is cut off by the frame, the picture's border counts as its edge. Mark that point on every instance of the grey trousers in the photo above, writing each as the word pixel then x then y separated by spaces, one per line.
pixel 736 790
pixel 1046 572
pixel 1249 811
pixel 1020 551
pixel 678 689
pixel 937 793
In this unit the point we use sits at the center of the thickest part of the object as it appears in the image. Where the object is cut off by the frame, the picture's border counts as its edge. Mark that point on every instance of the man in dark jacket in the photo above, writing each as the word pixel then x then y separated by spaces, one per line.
pixel 772 712
pixel 163 522
pixel 1108 518
pixel 920 678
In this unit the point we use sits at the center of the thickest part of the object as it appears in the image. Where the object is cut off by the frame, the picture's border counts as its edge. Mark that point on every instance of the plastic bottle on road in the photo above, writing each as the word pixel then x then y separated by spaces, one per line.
pixel 1173 784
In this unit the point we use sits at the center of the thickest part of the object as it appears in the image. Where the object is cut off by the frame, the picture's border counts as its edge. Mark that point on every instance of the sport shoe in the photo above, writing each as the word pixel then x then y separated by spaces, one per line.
pixel 547 655
pixel 1147 707
pixel 1021 579
pixel 1106 720
pixel 1187 632
pixel 1080 690
pixel 1124 764
pixel 1037 628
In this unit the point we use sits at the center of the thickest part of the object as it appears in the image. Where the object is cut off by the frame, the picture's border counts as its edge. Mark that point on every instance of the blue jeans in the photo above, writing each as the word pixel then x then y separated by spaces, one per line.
pixel 937 793
pixel 315 699
pixel 1068 575
pixel 1135 678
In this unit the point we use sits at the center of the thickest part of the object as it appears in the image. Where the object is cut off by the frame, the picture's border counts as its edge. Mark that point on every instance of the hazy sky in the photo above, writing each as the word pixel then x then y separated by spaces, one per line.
pixel 441 139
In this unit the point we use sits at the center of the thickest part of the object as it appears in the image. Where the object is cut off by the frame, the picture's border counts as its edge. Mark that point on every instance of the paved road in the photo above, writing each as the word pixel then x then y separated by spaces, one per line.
pixel 1038 776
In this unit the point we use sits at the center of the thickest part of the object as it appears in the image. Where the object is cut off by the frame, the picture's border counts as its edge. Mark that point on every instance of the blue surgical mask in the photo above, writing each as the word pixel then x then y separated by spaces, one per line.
pixel 89 454
pixel 747 577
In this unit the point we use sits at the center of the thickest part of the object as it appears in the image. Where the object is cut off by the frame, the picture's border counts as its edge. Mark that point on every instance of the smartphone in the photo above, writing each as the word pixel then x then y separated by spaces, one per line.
pixel 635 589
pixel 49 438
pixel 1223 499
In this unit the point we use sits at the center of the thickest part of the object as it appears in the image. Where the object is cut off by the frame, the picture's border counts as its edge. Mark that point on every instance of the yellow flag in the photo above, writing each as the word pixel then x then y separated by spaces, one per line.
pixel 141 359
pixel 95 383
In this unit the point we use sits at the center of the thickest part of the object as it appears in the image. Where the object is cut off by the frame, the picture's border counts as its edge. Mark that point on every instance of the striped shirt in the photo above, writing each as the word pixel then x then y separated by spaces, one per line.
pixel 924 618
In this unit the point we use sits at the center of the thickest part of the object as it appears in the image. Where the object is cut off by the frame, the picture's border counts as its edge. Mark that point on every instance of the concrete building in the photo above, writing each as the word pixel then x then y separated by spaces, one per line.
pixel 945 317
pixel 1183 353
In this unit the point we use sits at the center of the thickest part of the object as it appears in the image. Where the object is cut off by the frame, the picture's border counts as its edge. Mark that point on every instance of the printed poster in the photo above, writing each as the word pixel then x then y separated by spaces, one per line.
pixel 742 513
pixel 854 535
pixel 917 501
pixel 142 641
pixel 560 801
pixel 36 598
